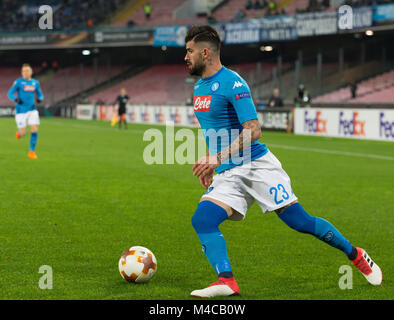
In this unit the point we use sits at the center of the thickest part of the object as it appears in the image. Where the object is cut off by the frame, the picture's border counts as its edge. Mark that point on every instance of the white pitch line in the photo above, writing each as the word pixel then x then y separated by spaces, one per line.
pixel 344 153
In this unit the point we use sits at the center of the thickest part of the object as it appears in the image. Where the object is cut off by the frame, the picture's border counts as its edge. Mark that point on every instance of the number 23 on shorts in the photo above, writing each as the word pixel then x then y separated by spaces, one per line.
pixel 280 194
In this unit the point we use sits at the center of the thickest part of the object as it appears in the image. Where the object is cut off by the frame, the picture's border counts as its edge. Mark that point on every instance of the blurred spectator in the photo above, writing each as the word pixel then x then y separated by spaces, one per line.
pixel 239 16
pixel 249 5
pixel 44 66
pixel 257 5
pixel 303 98
pixel 148 10
pixel 301 89
pixel 353 89
pixel 55 65
pixel 271 7
pixel 259 105
pixel 68 14
pixel 90 22
pixel 275 100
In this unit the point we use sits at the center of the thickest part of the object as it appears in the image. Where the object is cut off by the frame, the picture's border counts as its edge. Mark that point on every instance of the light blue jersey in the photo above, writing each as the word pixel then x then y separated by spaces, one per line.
pixel 222 102
pixel 26 90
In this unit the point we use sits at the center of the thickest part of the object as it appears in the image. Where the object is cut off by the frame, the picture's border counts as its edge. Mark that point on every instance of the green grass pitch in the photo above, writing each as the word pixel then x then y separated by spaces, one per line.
pixel 90 196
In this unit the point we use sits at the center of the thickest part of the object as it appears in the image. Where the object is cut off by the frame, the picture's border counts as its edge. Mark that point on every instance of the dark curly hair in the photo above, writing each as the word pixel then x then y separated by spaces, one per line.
pixel 204 34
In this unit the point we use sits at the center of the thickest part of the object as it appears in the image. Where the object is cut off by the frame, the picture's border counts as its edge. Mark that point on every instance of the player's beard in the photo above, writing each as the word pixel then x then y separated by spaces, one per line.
pixel 197 69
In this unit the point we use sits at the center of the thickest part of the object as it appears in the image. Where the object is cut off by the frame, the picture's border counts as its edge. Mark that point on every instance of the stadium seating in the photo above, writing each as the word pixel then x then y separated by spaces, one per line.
pixel 158 85
pixel 72 80
pixel 22 15
pixel 294 6
pixel 228 11
pixel 61 84
pixel 162 13
pixel 166 84
pixel 8 76
pixel 375 89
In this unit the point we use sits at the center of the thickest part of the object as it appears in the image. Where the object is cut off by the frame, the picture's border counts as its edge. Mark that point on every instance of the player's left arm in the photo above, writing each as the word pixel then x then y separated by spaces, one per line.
pixel 40 95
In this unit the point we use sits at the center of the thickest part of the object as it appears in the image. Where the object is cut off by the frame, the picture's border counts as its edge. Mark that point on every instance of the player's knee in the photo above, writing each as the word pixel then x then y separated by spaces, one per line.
pixel 298 219
pixel 208 217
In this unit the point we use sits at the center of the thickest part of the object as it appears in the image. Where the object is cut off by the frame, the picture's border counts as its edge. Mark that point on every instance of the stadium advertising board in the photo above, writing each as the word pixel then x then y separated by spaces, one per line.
pixel 384 12
pixel 243 32
pixel 377 124
pixel 85 112
pixel 256 30
pixel 316 23
pixel 122 37
pixel 281 28
pixel 362 17
pixel 179 115
pixel 7 111
pixel 169 36
pixel 74 39
pixel 276 120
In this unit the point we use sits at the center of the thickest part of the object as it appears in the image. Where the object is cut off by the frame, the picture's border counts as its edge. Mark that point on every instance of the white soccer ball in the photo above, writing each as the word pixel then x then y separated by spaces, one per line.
pixel 137 264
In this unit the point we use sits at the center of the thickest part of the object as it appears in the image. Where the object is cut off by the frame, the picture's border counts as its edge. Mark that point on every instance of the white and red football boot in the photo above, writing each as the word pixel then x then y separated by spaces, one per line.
pixel 368 268
pixel 224 287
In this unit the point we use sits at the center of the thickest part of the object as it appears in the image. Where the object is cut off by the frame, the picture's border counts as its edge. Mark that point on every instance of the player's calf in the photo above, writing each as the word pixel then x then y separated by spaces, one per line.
pixel 298 219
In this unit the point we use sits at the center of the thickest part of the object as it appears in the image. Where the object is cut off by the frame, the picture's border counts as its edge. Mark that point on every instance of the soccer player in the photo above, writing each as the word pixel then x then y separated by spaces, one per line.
pixel 121 100
pixel 26 112
pixel 246 170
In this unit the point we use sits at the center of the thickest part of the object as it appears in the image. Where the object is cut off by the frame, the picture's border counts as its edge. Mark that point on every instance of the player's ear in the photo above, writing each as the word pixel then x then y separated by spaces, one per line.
pixel 205 52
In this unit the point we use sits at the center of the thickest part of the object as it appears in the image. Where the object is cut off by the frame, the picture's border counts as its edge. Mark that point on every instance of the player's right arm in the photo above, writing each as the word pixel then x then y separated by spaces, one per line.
pixel 11 93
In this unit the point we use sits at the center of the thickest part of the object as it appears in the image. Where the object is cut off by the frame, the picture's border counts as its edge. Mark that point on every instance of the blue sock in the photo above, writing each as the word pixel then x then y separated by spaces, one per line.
pixel 33 140
pixel 206 221
pixel 298 219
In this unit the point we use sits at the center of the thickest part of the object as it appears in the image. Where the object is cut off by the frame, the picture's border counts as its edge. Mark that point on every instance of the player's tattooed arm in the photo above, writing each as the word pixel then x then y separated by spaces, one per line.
pixel 250 133
pixel 204 167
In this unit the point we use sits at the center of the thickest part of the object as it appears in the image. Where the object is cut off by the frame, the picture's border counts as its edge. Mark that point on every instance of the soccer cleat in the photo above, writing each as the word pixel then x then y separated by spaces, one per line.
pixel 17 135
pixel 32 155
pixel 222 288
pixel 368 268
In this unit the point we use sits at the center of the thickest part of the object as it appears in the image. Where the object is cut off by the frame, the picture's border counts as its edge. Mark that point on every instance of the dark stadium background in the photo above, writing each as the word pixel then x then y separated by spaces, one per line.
pixel 89 196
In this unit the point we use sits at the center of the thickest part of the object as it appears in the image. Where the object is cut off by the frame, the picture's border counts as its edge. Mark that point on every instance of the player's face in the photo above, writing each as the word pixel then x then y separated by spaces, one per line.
pixel 194 59
pixel 27 72
pixel 123 92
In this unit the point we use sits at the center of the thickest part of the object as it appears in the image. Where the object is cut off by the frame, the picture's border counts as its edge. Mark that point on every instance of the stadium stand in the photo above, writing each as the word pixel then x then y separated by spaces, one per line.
pixel 72 80
pixel 376 89
pixel 8 76
pixel 62 84
pixel 166 84
pixel 162 12
pixel 70 14
pixel 163 84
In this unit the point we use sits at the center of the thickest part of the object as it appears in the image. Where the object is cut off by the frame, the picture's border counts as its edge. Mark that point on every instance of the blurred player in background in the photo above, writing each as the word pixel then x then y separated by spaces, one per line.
pixel 26 89
pixel 246 170
pixel 121 101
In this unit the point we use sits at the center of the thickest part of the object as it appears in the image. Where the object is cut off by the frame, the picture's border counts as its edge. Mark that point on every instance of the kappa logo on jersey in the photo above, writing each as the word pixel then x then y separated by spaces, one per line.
pixel 202 103
pixel 30 88
pixel 237 84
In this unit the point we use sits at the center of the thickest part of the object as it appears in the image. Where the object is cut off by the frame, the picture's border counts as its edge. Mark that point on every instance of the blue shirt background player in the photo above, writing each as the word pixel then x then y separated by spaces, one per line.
pixel 26 91
pixel 223 102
